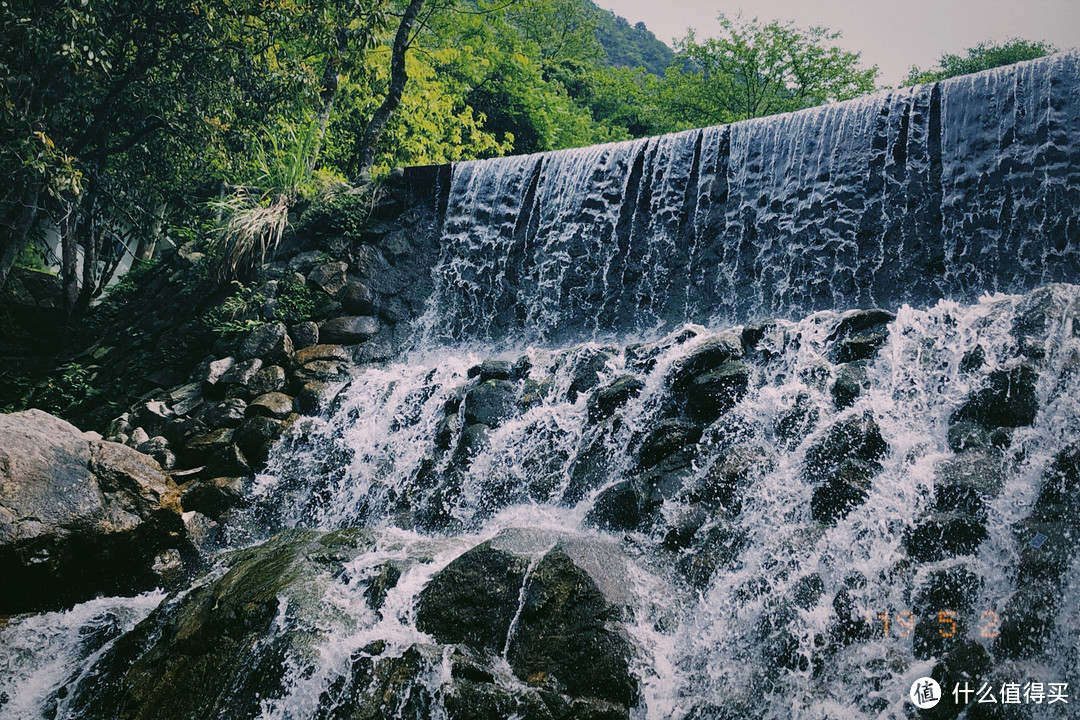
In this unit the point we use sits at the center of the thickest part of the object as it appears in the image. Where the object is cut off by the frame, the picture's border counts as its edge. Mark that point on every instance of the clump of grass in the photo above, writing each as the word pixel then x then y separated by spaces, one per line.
pixel 252 228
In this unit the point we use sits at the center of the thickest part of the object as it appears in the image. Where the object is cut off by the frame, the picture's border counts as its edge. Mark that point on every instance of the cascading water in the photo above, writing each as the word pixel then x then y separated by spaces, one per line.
pixel 793 518
pixel 908 195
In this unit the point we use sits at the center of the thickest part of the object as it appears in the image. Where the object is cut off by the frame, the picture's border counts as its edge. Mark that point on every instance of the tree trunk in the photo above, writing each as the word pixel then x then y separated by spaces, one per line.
pixel 93 239
pixel 398 78
pixel 16 241
pixel 69 245
pixel 330 81
pixel 144 252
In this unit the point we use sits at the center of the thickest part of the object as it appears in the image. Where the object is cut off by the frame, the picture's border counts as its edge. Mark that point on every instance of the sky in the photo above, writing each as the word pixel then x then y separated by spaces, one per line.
pixel 893 35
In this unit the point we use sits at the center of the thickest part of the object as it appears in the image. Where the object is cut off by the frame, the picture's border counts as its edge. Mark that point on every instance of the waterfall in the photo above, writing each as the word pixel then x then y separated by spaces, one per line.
pixel 908 195
pixel 653 350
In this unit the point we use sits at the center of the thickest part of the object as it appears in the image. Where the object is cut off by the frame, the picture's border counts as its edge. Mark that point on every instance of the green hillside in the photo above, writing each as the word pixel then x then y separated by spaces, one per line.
pixel 629 45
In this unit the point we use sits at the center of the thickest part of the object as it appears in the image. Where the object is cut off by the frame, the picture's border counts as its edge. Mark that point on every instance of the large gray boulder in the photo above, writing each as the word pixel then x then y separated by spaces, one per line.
pixel 78 517
pixel 553 605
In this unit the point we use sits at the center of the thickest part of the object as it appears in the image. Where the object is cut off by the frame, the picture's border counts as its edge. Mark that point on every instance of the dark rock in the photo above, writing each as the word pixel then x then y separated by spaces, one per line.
pixel 304 334
pixel 1027 622
pixel 944 535
pixel 1037 313
pixel 849 625
pixel 567 630
pixel 472 440
pixel 269 379
pixel 793 425
pixel 973 359
pixel 617 509
pixel 213 497
pixel 304 261
pixel 225 414
pixel 728 475
pixel 492 370
pixel 386 578
pixel 321 371
pixel 473 599
pixel 967 434
pixel 967 662
pixel 682 530
pixel 851 380
pixel 860 334
pixel 214 371
pixel 256 435
pixel 709 395
pixel 490 402
pixel 715 546
pixel 274 404
pixel 313 398
pixel 709 355
pixel 846 487
pixel 587 372
pixel 200 447
pixel 1008 400
pixel 77 517
pixel 222 649
pixel 966 482
pixel 153 416
pixel 270 342
pixel 357 299
pixel 856 438
pixel 589 470
pixel 955 588
pixel 604 402
pixel 185 398
pixel 241 373
pixel 668 437
pixel 328 277
pixel 807 590
pixel 349 329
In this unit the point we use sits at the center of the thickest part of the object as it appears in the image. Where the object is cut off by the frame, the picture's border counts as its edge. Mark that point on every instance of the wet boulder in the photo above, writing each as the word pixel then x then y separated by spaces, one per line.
pixel 843 463
pixel 554 604
pixel 860 334
pixel 77 517
pixel 619 508
pixel 667 438
pixel 269 342
pixel 222 649
pixel 1008 400
pixel 943 535
pixel 256 435
pixel 490 402
pixel 492 370
pixel 604 402
pixel 711 379
pixel 586 375
pixel 269 379
pixel 474 599
pixel 349 329
pixel 708 395
pixel 851 381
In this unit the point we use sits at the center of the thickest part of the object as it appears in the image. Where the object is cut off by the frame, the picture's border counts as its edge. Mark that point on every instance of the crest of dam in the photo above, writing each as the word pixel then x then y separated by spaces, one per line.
pixel 945 190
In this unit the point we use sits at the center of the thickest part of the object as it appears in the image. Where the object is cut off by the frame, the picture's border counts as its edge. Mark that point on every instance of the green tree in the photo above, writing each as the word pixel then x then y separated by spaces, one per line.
pixel 754 69
pixel 981 57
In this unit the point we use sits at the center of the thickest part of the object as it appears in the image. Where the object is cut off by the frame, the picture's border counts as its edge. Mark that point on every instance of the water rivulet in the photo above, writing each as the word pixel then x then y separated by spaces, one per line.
pixel 573 502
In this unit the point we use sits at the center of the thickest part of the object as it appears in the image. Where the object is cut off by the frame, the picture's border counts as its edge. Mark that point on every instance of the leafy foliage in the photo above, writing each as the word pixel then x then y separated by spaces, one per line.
pixel 981 57
pixel 631 46
pixel 755 69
